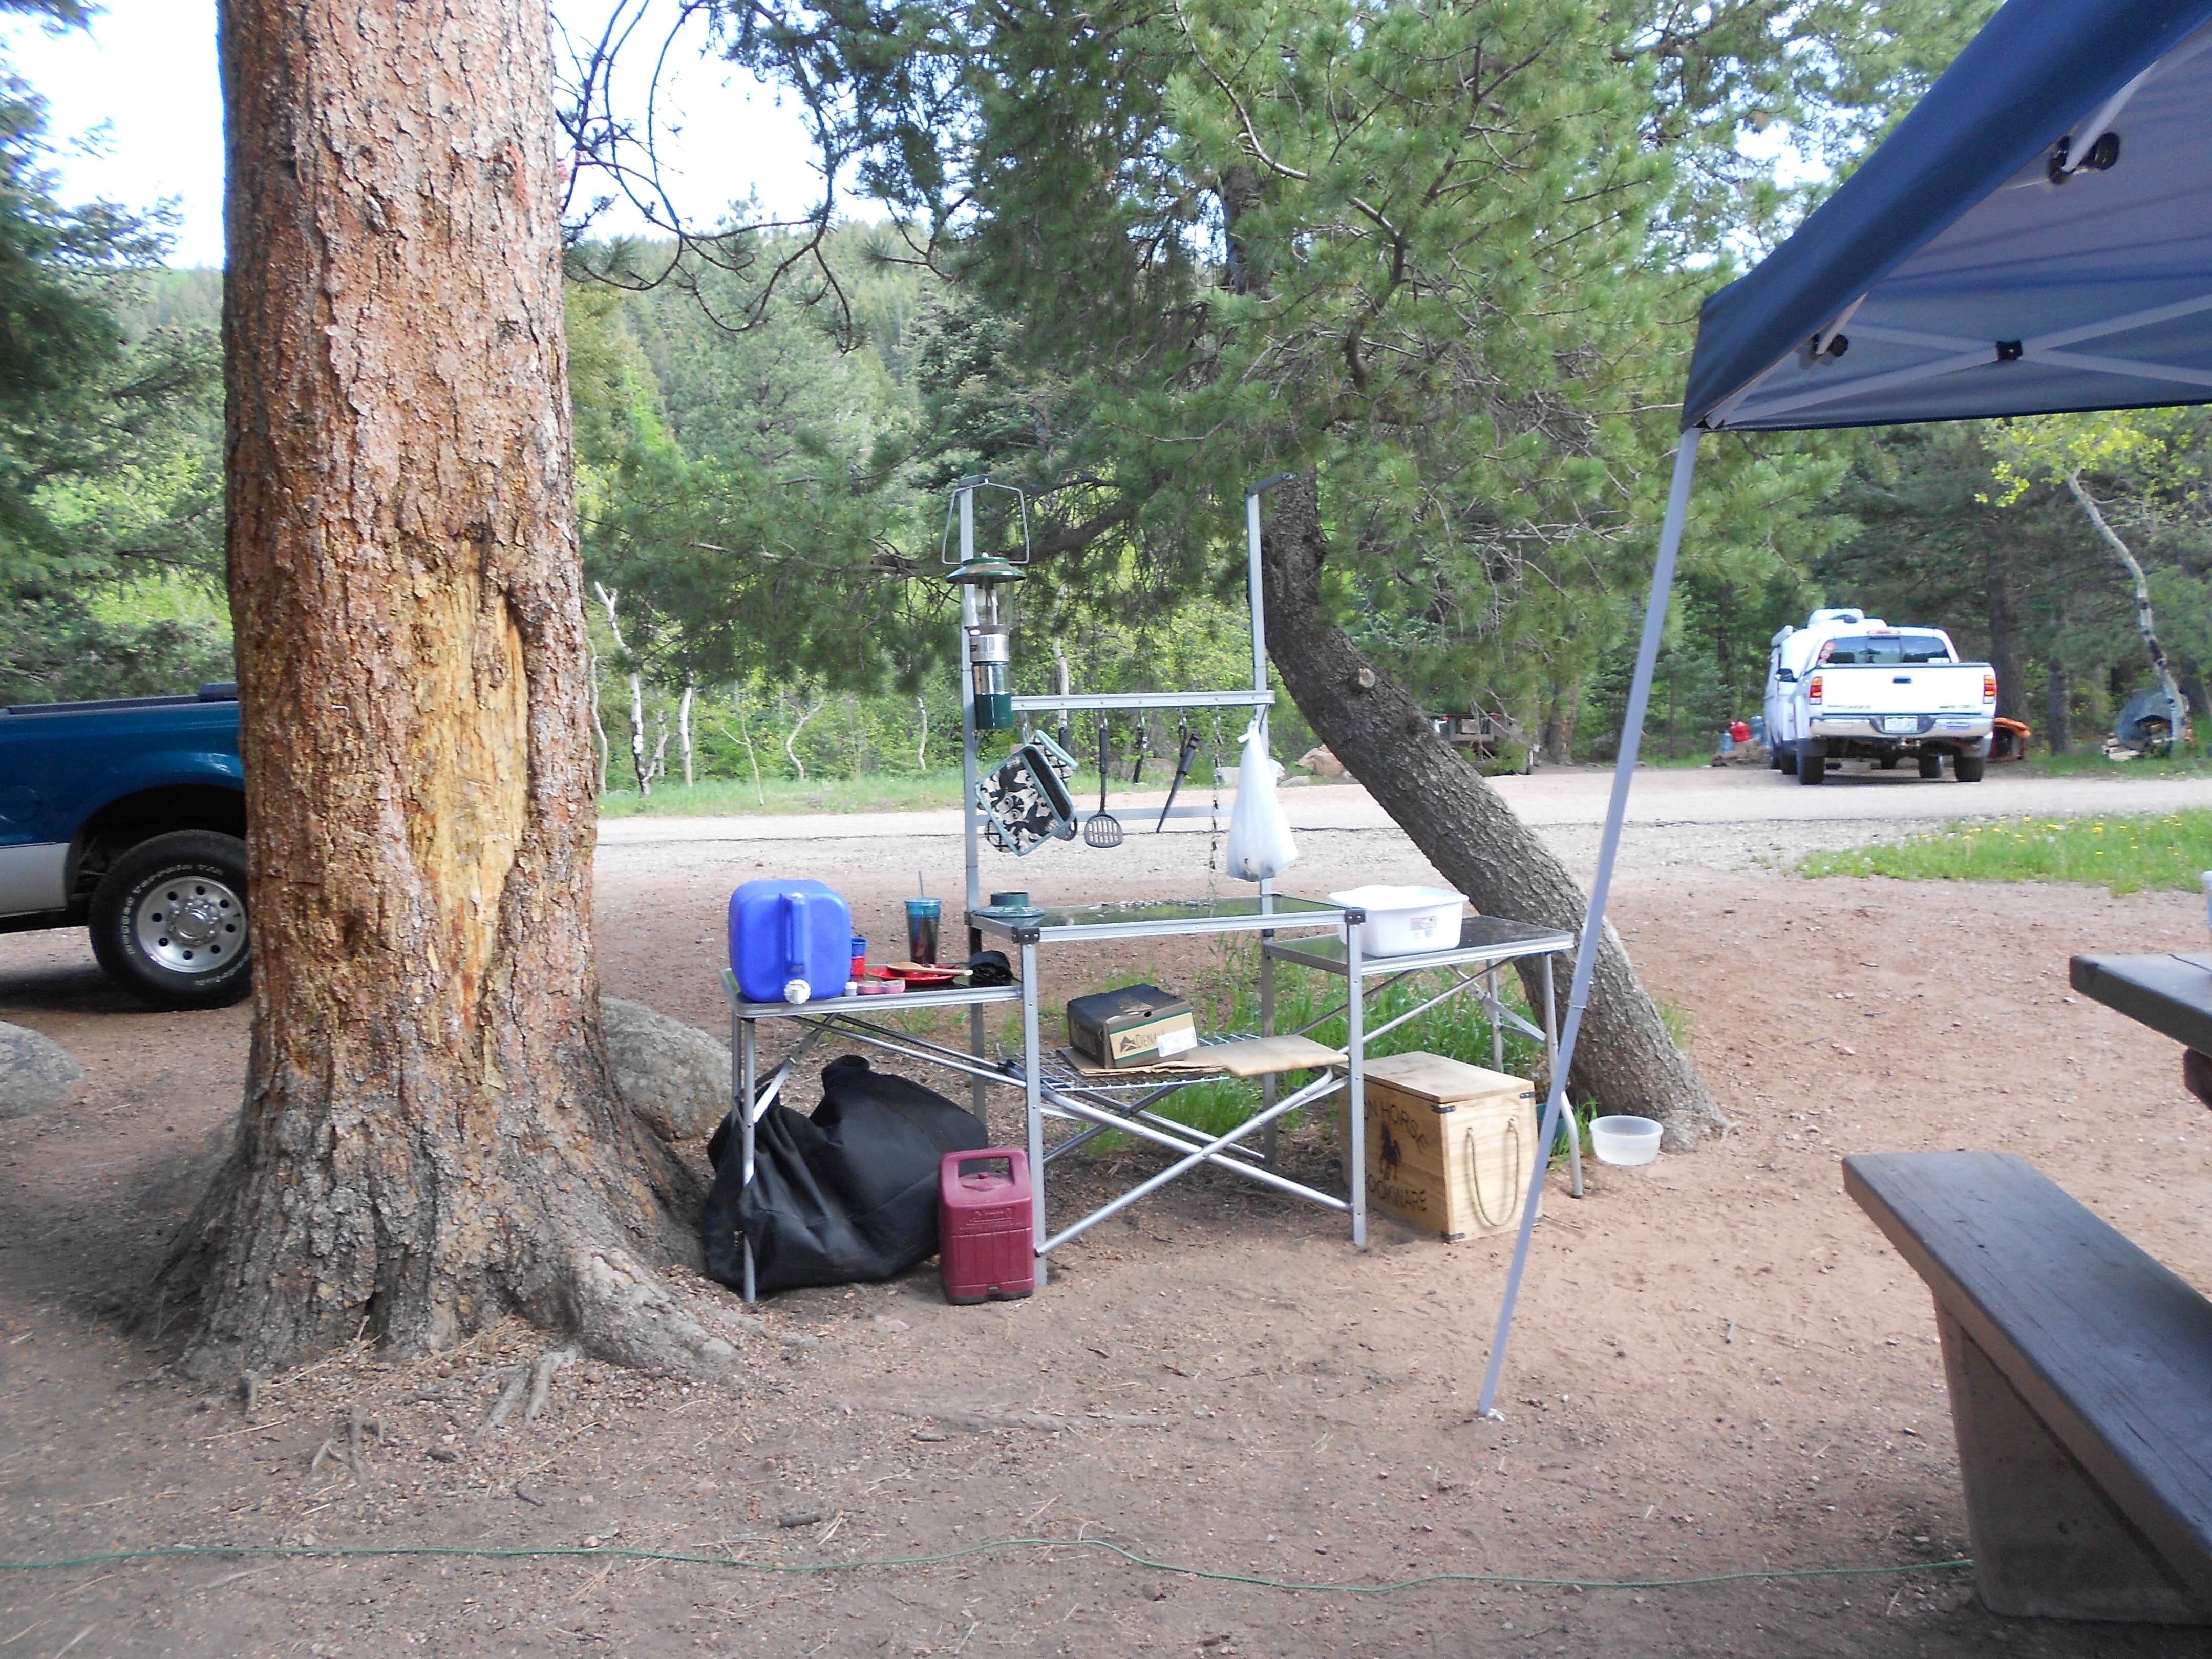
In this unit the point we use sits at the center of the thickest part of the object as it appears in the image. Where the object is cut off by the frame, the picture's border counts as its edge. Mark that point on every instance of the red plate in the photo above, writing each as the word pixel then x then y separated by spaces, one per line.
pixel 919 977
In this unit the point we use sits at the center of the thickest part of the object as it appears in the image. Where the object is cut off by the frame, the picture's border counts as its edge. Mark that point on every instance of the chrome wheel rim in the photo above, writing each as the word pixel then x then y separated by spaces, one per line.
pixel 191 924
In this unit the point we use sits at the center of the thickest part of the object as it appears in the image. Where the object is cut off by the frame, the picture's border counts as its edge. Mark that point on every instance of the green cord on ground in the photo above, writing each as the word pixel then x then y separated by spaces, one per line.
pixel 1509 1580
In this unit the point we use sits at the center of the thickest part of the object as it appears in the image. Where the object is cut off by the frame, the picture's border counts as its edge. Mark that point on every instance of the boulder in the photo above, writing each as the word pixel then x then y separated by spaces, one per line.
pixel 36 1072
pixel 1321 762
pixel 673 1076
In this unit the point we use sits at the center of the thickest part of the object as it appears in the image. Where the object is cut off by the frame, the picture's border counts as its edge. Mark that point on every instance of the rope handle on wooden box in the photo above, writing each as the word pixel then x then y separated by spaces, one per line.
pixel 1474 1176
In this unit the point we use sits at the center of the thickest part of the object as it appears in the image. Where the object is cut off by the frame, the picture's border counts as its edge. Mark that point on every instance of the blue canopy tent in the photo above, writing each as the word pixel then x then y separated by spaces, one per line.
pixel 2034 238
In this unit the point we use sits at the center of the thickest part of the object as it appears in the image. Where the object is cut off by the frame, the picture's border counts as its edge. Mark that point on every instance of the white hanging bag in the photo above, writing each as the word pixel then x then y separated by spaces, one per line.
pixel 1260 844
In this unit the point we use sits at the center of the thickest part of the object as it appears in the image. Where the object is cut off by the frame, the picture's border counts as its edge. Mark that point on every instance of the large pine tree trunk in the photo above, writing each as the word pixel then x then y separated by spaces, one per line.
pixel 429 1139
pixel 1624 1057
pixel 2059 708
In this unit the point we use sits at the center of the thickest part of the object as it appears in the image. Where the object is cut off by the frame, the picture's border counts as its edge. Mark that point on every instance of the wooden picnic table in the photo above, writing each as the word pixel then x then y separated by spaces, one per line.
pixel 2171 993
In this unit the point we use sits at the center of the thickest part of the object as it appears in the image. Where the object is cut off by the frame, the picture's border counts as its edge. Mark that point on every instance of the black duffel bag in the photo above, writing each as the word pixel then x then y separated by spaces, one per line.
pixel 848 1193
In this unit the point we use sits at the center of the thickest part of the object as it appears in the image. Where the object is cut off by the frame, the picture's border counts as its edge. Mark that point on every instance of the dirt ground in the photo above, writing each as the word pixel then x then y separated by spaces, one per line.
pixel 1720 1366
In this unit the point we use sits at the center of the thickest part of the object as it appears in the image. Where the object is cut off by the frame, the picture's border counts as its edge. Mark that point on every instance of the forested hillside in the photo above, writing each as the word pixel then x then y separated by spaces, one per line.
pixel 111 429
pixel 762 507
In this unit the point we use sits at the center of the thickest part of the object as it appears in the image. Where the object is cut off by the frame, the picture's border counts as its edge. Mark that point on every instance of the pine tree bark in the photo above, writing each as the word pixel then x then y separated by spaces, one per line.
pixel 1624 1056
pixel 1562 704
pixel 2004 630
pixel 2059 708
pixel 429 1139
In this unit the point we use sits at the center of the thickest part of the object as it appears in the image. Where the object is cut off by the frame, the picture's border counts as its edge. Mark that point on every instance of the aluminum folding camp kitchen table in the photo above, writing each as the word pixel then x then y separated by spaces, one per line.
pixel 1326 937
pixel 1486 945
pixel 1103 1104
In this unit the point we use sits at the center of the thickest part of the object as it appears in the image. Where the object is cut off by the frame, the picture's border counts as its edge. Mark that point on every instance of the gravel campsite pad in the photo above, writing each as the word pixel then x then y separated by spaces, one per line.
pixel 1719 1368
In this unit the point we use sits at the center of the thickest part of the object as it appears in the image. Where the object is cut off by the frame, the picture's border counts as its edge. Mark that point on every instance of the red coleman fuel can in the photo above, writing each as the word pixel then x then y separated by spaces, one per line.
pixel 984 1242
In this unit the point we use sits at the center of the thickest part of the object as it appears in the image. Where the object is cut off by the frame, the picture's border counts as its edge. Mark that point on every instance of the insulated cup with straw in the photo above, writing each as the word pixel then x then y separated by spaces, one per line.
pixel 922 918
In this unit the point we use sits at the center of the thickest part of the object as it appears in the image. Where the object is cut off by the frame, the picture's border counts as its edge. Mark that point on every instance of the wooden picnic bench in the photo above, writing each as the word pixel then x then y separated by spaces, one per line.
pixel 2081 1381
pixel 2170 992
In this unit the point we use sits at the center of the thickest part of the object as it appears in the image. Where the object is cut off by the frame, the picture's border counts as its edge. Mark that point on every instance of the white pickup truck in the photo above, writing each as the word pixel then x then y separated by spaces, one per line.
pixel 1848 686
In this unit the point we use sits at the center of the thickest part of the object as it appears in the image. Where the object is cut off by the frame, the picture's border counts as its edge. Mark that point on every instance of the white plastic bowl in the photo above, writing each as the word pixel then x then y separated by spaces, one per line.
pixel 1403 920
pixel 1625 1141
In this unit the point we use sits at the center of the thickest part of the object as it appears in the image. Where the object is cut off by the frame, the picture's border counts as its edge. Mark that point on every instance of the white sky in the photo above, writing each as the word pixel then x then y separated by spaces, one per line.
pixel 146 74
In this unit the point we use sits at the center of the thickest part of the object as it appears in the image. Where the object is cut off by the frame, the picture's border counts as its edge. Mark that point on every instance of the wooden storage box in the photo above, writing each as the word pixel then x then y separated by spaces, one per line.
pixel 1450 1146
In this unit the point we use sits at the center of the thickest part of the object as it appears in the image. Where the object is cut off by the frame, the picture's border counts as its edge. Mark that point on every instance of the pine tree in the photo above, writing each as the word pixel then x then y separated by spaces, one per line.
pixel 1438 261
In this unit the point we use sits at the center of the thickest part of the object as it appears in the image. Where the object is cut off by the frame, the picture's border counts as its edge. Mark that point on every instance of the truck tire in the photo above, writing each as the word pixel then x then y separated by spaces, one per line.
pixel 1811 769
pixel 1968 767
pixel 169 921
pixel 1786 758
pixel 1888 763
pixel 1931 763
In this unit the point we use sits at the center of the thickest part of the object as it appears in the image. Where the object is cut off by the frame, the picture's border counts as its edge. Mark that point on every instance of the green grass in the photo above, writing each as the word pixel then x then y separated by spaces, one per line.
pixel 2125 854
pixel 728 797
pixel 882 792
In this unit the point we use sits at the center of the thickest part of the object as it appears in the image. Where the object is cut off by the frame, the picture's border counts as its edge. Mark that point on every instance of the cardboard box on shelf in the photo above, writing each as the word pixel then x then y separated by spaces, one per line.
pixel 1135 1026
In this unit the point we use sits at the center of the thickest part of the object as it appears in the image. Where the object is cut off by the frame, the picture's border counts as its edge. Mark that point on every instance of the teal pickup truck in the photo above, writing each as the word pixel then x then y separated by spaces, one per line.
pixel 128 819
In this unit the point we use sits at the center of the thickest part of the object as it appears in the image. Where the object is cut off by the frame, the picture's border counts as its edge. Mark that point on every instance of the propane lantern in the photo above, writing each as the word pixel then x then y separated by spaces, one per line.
pixel 986 608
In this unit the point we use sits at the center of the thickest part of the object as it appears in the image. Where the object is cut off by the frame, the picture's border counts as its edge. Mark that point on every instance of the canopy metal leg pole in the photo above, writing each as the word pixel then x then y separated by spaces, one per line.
pixel 1623 772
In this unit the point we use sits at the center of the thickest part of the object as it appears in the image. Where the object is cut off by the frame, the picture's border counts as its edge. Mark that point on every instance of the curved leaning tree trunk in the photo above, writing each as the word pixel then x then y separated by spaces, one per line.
pixel 429 1139
pixel 1624 1056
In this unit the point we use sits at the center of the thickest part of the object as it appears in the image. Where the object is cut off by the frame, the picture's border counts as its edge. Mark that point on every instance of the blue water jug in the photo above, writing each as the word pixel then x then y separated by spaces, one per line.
pixel 790 941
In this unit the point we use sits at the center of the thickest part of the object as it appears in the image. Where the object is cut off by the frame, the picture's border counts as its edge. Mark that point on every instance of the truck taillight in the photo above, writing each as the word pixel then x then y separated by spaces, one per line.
pixel 1813 689
pixel 1989 686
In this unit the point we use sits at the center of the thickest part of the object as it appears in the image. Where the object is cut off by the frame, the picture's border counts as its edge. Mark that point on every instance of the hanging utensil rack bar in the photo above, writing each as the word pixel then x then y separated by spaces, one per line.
pixel 1108 701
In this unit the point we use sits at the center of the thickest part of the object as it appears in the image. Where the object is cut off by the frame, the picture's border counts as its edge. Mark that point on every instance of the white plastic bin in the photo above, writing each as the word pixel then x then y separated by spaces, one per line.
pixel 1402 921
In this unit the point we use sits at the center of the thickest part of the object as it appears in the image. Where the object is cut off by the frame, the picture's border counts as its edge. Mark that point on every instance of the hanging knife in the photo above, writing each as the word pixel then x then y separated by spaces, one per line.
pixel 1183 771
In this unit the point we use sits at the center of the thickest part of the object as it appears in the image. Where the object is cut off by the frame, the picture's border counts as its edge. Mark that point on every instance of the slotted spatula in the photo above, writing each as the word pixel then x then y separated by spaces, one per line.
pixel 1104 829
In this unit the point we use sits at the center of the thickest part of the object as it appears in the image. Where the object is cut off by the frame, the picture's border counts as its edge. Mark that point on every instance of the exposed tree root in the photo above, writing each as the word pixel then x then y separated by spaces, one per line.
pixel 601 1298
pixel 627 1316
pixel 541 1379
pixel 510 1396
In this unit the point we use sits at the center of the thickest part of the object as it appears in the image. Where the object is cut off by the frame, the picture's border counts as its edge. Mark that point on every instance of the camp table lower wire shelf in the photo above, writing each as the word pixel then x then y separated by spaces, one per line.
pixel 1486 945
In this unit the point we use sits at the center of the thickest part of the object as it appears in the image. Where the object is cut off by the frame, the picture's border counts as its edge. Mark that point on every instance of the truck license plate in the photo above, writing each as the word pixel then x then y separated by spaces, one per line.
pixel 1907 723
